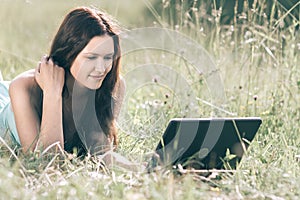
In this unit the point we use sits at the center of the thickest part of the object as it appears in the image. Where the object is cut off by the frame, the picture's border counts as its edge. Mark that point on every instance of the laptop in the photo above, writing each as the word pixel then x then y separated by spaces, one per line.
pixel 205 143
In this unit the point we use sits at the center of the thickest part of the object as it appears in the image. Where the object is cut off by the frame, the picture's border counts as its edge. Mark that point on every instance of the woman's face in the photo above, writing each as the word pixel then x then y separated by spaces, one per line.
pixel 94 62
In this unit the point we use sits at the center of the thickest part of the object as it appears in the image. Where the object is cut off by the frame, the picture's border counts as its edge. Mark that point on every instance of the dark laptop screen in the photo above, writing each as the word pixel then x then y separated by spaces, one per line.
pixel 203 143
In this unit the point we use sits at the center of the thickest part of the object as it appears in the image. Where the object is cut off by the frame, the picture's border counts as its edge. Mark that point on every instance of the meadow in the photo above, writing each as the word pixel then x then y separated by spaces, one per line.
pixel 252 70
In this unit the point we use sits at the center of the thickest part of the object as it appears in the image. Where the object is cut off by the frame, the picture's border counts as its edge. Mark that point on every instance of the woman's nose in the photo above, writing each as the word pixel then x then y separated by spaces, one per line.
pixel 100 65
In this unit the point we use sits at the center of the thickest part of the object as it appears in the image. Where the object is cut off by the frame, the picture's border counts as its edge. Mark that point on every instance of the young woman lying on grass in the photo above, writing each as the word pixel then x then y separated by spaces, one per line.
pixel 73 97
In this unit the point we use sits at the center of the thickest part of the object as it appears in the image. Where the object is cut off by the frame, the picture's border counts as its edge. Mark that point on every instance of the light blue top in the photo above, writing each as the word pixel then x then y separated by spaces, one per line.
pixel 7 120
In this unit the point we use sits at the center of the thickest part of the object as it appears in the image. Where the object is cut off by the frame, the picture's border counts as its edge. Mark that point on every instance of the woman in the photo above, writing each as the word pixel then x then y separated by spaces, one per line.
pixel 74 95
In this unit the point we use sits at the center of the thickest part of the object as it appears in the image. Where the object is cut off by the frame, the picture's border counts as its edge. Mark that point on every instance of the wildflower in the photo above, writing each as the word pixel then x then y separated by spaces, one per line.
pixel 255 97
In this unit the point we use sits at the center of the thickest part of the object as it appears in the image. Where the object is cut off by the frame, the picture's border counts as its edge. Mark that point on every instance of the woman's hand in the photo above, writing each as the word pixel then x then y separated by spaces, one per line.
pixel 113 159
pixel 49 76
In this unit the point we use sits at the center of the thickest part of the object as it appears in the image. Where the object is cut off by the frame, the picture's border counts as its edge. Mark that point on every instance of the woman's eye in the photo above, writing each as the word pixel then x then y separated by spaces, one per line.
pixel 108 58
pixel 91 57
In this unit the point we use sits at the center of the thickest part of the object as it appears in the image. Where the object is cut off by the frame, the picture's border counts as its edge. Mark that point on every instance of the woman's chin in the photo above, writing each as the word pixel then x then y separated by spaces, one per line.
pixel 82 88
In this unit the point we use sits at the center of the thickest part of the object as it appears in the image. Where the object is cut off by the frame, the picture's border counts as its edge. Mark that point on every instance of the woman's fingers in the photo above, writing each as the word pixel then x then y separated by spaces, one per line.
pixel 49 76
pixel 46 64
pixel 42 64
pixel 37 74
pixel 50 62
pixel 38 68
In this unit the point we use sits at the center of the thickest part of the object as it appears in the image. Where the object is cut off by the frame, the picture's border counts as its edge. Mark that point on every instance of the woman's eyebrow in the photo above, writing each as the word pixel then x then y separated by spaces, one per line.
pixel 97 54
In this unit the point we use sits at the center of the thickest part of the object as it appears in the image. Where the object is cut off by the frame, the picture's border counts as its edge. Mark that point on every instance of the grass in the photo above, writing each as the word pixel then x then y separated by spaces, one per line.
pixel 259 66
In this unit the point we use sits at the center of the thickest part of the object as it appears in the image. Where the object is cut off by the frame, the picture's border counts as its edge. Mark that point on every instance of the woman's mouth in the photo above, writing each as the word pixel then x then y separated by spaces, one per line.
pixel 97 77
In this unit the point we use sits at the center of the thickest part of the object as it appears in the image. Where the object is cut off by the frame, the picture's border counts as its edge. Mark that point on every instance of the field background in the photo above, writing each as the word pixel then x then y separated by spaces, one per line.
pixel 259 67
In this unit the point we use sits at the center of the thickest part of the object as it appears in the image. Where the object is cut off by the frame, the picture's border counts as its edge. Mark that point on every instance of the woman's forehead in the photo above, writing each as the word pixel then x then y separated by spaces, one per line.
pixel 100 45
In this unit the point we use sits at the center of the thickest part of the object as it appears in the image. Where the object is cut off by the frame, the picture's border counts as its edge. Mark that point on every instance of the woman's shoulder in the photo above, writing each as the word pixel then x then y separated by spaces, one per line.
pixel 122 83
pixel 24 82
pixel 120 87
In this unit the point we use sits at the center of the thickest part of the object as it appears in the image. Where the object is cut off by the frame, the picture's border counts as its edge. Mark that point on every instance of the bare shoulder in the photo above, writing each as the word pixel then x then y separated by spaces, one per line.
pixel 23 84
pixel 118 95
pixel 122 84
pixel 23 81
pixel 120 88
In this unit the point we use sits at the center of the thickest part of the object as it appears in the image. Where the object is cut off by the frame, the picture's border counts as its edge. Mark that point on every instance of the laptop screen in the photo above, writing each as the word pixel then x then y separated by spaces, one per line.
pixel 205 143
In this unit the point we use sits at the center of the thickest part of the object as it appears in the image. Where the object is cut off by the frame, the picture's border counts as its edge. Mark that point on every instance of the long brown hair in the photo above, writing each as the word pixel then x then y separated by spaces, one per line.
pixel 79 26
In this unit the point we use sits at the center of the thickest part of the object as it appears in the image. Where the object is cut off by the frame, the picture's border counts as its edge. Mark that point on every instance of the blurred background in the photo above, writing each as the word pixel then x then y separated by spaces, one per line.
pixel 27 26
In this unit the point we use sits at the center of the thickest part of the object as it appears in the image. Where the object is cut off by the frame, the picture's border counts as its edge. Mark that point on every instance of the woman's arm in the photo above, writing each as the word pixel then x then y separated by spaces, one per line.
pixel 25 114
pixel 33 131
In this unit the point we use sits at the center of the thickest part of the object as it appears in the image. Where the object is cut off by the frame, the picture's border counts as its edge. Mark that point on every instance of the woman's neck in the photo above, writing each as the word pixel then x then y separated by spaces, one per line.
pixel 78 97
pixel 76 89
